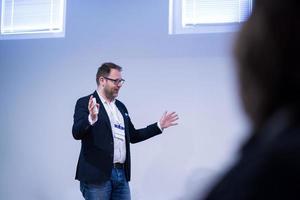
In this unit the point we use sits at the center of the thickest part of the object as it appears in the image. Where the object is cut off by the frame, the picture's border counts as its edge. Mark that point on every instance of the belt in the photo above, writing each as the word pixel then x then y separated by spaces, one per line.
pixel 118 165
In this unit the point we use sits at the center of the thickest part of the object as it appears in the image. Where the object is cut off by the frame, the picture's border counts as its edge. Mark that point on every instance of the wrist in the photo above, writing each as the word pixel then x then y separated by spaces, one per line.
pixel 160 127
pixel 92 120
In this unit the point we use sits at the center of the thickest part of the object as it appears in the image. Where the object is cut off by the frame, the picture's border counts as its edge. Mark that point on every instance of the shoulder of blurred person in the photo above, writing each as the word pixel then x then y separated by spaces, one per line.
pixel 269 164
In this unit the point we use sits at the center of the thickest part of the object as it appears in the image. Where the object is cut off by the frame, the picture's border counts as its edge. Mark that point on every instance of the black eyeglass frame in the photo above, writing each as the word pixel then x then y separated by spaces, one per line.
pixel 115 81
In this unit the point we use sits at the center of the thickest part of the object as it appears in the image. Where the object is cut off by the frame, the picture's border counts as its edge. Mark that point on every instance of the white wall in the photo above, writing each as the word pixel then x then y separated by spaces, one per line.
pixel 40 81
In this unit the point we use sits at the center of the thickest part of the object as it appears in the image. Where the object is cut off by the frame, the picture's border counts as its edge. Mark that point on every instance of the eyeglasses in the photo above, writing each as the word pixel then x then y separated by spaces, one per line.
pixel 116 81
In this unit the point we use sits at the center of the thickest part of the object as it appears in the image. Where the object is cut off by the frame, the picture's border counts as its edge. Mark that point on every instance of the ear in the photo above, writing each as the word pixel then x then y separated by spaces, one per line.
pixel 101 80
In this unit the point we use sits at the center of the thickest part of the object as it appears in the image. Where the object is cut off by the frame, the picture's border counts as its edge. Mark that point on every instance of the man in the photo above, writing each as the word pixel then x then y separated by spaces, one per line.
pixel 105 130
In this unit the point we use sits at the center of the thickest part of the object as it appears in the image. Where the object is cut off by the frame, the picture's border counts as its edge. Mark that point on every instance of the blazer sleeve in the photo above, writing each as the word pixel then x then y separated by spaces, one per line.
pixel 138 135
pixel 81 126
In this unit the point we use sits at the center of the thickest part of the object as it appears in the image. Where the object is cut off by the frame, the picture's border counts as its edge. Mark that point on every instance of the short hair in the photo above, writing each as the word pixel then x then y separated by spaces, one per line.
pixel 104 70
pixel 267 52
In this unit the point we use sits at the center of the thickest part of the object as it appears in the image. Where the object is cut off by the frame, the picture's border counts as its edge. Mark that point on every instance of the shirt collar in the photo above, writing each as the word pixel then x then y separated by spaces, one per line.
pixel 103 99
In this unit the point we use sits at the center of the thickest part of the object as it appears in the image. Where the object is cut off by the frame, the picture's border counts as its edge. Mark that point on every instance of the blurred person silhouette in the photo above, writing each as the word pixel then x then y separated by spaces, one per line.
pixel 267 53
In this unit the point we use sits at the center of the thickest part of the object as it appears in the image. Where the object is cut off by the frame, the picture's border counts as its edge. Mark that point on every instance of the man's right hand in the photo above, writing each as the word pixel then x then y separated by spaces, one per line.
pixel 93 112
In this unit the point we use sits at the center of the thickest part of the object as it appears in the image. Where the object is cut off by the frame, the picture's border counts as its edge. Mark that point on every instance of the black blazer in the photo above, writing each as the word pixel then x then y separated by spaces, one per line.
pixel 96 155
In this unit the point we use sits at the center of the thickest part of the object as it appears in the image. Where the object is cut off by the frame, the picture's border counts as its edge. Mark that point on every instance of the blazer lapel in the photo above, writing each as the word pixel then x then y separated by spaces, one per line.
pixel 102 112
pixel 125 117
pixel 122 112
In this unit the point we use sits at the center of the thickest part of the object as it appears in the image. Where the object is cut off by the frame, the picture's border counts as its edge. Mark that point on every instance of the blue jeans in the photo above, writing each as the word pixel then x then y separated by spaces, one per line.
pixel 117 188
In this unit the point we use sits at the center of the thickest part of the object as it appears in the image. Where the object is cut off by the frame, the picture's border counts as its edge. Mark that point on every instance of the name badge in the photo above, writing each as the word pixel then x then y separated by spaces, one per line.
pixel 119 132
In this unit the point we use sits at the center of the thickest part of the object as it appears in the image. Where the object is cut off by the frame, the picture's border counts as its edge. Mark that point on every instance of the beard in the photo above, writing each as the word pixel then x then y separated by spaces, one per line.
pixel 111 93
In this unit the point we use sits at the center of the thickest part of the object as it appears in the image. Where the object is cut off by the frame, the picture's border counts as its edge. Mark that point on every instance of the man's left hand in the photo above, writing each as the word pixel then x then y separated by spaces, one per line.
pixel 168 119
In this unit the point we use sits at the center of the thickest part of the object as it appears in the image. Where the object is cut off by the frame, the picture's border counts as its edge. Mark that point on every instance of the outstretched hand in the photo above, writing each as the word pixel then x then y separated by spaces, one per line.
pixel 168 119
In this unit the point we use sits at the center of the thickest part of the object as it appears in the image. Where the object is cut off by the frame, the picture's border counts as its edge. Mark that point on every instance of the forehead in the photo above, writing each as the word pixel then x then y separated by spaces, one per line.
pixel 114 73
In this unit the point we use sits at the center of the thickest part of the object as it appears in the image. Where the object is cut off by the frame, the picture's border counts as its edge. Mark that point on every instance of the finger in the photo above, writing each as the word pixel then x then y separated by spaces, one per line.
pixel 171 121
pixel 172 118
pixel 173 124
pixel 94 111
pixel 97 106
pixel 175 117
pixel 172 114
pixel 163 116
pixel 90 101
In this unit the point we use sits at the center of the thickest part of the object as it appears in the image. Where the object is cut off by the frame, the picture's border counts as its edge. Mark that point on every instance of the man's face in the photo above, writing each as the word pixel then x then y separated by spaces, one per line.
pixel 111 84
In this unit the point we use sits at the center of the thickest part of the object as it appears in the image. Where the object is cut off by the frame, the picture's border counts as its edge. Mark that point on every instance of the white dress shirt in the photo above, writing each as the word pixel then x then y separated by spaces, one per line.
pixel 116 120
